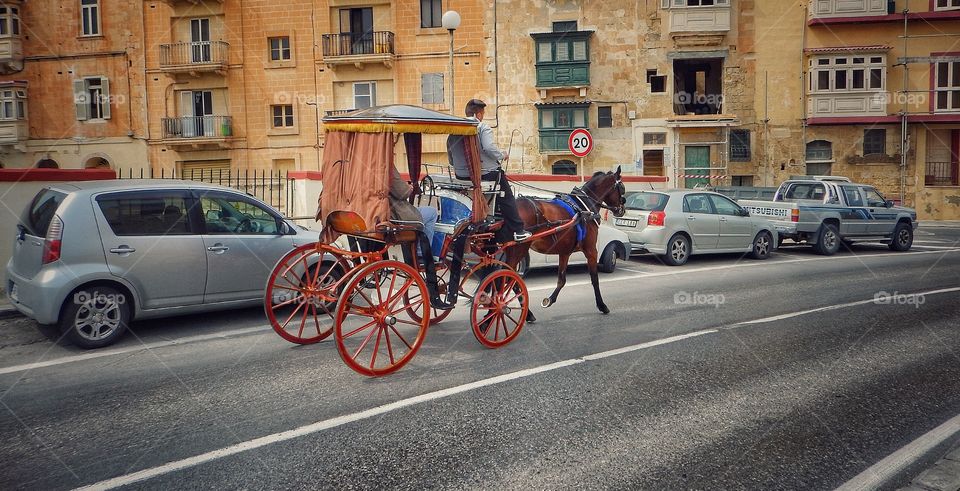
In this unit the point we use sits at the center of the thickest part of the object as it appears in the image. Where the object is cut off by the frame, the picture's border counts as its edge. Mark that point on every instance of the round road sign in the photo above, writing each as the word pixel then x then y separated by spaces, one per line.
pixel 580 142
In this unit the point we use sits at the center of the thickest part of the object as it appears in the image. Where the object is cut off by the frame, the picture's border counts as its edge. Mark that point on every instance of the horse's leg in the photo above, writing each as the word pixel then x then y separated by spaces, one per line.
pixel 561 280
pixel 590 250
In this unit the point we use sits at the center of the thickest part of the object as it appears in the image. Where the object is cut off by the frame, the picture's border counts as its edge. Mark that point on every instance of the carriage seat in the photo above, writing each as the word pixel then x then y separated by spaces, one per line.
pixel 395 231
pixel 454 183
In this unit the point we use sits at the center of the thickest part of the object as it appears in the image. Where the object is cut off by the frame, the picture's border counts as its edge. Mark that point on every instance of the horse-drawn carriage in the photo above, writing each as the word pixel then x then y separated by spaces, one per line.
pixel 374 295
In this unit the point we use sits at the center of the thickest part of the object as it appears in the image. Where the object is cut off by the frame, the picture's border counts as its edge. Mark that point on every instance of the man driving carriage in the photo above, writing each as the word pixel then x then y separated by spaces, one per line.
pixel 490 158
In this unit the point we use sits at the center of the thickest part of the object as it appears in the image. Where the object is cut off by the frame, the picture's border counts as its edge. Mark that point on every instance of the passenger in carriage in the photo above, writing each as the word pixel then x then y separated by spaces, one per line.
pixel 490 157
pixel 402 211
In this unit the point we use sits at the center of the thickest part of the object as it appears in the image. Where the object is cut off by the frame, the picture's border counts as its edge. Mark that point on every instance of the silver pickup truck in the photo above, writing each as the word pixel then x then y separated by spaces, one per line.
pixel 828 213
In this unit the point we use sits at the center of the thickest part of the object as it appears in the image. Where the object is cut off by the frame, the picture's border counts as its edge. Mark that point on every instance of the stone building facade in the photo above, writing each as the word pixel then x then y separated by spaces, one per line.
pixel 71 79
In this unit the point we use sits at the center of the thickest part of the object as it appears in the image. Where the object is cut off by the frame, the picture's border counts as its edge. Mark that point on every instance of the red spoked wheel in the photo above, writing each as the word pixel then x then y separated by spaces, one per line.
pixel 301 294
pixel 375 331
pixel 412 298
pixel 499 308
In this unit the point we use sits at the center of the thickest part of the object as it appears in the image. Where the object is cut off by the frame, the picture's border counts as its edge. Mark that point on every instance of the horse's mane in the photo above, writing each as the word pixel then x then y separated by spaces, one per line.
pixel 598 173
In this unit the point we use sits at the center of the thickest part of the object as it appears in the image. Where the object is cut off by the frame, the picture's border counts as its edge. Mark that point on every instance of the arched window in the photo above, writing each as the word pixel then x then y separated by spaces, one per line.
pixel 819 158
pixel 47 163
pixel 96 163
pixel 564 168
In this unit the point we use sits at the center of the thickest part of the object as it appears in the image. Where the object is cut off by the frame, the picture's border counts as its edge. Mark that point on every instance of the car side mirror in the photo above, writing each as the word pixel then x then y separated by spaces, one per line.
pixel 283 227
pixel 744 212
pixel 888 203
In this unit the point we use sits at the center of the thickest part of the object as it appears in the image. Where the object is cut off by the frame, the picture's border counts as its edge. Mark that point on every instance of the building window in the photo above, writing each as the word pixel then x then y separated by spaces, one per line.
pixel 431 11
pixel 9 21
pixel 565 26
pixel 564 168
pixel 819 158
pixel 13 104
pixel 948 4
pixel 562 58
pixel 283 116
pixel 89 17
pixel 859 73
pixel 557 122
pixel 740 145
pixel 746 181
pixel 364 95
pixel 654 138
pixel 947 86
pixel 693 3
pixel 280 48
pixel 431 88
pixel 875 142
pixel 91 97
pixel 658 83
pixel 605 117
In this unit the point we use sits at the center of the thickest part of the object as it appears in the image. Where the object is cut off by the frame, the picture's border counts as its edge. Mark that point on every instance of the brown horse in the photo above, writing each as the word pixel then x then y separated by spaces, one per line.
pixel 603 190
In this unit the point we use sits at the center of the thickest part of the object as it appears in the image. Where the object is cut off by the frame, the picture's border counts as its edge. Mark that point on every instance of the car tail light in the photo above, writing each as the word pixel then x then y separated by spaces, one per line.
pixel 656 218
pixel 52 242
pixel 795 215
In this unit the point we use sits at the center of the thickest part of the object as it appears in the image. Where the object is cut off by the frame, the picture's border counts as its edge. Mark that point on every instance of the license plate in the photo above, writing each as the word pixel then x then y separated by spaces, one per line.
pixel 621 222
pixel 14 294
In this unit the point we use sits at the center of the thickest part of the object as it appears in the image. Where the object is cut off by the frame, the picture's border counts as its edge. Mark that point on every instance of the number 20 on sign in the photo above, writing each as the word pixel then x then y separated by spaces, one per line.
pixel 580 142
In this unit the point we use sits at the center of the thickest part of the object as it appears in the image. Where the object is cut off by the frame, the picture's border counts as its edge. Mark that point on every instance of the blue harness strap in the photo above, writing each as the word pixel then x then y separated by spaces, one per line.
pixel 581 230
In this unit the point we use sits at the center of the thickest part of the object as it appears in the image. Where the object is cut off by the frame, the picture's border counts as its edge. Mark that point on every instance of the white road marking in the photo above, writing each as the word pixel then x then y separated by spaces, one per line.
pixel 142 347
pixel 922 246
pixel 839 306
pixel 881 472
pixel 319 426
pixel 547 286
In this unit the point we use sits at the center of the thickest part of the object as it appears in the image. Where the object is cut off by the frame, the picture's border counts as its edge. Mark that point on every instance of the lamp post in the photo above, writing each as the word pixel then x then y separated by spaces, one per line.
pixel 451 21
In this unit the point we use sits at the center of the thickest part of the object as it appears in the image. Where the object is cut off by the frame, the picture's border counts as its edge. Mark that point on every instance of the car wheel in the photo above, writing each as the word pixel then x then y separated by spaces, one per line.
pixel 902 239
pixel 608 260
pixel 828 240
pixel 523 267
pixel 678 250
pixel 94 317
pixel 762 246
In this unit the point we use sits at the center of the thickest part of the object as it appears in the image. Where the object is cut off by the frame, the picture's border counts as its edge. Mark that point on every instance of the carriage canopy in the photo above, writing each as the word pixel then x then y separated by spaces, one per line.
pixel 359 155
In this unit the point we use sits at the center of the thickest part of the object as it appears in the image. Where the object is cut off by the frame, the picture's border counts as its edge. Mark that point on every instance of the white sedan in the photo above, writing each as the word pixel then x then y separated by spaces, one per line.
pixel 612 244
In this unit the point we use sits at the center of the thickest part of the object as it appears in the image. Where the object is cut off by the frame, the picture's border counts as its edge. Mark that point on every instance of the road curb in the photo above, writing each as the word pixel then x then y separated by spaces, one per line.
pixel 944 475
pixel 9 313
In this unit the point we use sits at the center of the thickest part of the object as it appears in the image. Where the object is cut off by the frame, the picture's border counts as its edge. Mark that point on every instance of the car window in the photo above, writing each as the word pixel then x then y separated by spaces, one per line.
pixel 236 216
pixel 852 194
pixel 725 207
pixel 696 203
pixel 874 198
pixel 815 191
pixel 647 201
pixel 152 214
pixel 38 215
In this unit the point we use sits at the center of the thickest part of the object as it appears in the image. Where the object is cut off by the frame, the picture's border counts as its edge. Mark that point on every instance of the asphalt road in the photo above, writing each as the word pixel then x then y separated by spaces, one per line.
pixel 677 388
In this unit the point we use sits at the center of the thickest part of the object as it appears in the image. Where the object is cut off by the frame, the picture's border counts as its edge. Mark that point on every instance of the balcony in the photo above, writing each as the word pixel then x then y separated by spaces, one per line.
pixel 699 19
pixel 13 132
pixel 838 105
pixel 11 55
pixel 356 49
pixel 851 8
pixel 198 131
pixel 941 174
pixel 338 112
pixel 195 58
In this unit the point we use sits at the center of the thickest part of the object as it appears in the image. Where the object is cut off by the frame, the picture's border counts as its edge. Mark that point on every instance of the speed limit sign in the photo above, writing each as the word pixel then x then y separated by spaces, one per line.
pixel 580 143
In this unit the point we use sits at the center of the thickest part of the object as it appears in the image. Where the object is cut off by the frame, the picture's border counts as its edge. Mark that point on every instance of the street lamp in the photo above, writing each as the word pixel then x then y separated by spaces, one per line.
pixel 451 21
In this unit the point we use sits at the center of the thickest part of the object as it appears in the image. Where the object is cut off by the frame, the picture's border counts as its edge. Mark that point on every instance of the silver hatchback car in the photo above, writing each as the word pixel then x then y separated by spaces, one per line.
pixel 679 223
pixel 92 256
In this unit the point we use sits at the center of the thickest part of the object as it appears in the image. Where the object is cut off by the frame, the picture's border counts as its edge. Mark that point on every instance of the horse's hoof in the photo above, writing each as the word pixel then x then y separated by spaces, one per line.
pixel 546 302
pixel 604 309
pixel 531 319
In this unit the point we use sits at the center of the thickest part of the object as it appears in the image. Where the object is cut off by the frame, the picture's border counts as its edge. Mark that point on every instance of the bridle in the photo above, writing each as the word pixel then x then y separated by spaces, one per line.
pixel 598 202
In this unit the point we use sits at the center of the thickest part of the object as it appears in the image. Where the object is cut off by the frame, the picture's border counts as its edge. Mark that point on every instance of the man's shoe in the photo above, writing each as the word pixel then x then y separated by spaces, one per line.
pixel 438 304
pixel 522 236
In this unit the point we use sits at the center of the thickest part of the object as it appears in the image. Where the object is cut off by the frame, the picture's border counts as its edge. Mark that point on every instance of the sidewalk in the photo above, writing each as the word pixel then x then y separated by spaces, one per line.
pixel 6 310
pixel 939 223
pixel 943 476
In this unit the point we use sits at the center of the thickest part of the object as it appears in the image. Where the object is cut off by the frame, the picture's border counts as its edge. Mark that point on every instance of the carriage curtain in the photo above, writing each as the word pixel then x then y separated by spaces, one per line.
pixel 356 177
pixel 480 208
pixel 413 144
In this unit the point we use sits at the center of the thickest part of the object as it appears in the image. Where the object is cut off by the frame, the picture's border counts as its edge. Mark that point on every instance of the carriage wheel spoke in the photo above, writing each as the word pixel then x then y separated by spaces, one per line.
pixel 403 321
pixel 394 298
pixel 413 306
pixel 386 335
pixel 376 349
pixel 514 320
pixel 487 318
pixel 292 314
pixel 303 322
pixel 316 321
pixel 288 302
pixel 351 333
pixel 394 329
pixel 364 343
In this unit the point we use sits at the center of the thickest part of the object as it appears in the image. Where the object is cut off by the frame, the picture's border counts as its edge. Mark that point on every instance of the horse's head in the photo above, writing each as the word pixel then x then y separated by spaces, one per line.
pixel 608 189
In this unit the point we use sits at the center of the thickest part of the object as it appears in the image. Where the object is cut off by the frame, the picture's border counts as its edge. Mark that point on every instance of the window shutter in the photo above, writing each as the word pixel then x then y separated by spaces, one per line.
pixel 105 97
pixel 664 4
pixel 426 96
pixel 80 99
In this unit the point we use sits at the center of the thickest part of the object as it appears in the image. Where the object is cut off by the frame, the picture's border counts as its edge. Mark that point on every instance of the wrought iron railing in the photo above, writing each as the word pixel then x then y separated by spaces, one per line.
pixel 941 174
pixel 194 53
pixel 349 44
pixel 197 127
pixel 338 112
